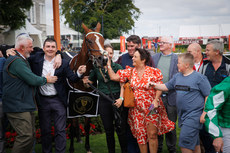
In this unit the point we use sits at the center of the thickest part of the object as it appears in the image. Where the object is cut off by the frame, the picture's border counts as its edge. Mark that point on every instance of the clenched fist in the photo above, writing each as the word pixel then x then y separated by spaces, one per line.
pixel 81 69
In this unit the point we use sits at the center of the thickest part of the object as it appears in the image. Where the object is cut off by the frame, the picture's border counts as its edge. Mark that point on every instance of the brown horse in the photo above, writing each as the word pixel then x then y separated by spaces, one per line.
pixel 91 54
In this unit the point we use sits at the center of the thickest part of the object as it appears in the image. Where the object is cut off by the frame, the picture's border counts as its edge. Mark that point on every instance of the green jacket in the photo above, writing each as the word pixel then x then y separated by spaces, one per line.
pixel 19 85
pixel 218 108
pixel 95 75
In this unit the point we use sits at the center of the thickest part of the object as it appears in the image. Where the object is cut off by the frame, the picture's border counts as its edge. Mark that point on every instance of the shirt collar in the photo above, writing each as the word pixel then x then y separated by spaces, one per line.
pixel 21 55
pixel 165 55
pixel 52 61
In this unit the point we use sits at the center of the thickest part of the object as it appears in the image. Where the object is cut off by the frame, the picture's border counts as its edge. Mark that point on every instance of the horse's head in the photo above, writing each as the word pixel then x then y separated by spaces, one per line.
pixel 94 43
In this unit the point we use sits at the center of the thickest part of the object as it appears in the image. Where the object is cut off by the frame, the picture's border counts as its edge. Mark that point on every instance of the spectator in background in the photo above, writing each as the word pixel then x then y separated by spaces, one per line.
pixel 218 116
pixel 166 61
pixel 216 68
pixel 2 115
pixel 196 50
pixel 133 42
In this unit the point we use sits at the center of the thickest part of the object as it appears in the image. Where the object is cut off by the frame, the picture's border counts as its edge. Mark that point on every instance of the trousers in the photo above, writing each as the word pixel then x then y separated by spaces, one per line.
pixel 24 125
pixel 2 129
pixel 52 109
pixel 171 137
pixel 107 116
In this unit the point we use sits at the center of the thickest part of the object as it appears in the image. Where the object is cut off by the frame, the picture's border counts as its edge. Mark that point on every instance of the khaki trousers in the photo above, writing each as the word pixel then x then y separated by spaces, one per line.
pixel 24 124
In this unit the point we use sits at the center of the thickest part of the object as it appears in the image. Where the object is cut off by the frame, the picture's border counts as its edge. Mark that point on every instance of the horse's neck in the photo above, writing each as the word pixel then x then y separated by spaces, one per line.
pixel 83 56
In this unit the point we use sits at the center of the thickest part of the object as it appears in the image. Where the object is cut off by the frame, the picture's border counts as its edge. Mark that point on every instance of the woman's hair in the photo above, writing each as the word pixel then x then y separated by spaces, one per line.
pixel 144 55
pixel 109 46
pixel 187 58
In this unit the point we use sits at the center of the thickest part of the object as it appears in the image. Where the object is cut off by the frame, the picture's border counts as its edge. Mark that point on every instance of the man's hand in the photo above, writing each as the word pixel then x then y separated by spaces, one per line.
pixel 86 81
pixel 10 52
pixel 81 69
pixel 51 79
pixel 57 61
pixel 1 55
pixel 218 144
pixel 150 84
pixel 202 119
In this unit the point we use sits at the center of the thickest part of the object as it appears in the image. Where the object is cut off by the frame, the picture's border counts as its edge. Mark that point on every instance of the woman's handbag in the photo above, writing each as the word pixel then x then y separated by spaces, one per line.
pixel 129 100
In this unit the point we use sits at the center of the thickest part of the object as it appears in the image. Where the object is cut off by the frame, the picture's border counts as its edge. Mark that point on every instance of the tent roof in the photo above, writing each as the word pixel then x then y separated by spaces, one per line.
pixel 204 30
pixel 63 30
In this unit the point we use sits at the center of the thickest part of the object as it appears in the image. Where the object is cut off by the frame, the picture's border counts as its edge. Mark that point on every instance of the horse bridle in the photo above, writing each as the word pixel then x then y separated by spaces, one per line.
pixel 92 57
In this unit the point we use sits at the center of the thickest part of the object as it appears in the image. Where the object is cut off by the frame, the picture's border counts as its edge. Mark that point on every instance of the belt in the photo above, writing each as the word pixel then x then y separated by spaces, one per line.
pixel 48 96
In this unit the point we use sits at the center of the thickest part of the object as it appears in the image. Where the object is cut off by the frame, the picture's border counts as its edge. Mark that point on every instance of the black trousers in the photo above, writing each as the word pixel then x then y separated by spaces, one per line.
pixel 171 137
pixel 107 116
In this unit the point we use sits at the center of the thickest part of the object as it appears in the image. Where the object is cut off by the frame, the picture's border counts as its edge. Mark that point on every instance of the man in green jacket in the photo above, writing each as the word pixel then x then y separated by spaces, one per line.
pixel 218 115
pixel 19 84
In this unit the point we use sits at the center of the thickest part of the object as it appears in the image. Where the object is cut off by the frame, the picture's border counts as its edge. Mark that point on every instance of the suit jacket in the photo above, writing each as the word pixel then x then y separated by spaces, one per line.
pixel 172 70
pixel 63 72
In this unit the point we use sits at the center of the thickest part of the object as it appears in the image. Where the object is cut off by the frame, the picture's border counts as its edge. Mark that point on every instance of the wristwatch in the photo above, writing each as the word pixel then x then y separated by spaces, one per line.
pixel 121 98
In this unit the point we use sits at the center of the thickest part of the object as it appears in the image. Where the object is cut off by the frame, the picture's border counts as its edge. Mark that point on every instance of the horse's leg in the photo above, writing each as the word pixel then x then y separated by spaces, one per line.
pixel 72 135
pixel 77 130
pixel 87 128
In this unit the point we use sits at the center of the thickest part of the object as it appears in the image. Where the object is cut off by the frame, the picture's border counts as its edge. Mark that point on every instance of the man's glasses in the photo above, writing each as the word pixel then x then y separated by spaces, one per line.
pixel 163 43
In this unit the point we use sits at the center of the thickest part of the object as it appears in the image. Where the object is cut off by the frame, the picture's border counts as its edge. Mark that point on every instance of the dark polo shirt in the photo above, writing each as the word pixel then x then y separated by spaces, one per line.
pixel 215 77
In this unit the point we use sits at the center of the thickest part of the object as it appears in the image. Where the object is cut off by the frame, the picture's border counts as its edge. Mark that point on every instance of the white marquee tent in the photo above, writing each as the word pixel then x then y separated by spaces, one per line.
pixel 34 33
pixel 205 31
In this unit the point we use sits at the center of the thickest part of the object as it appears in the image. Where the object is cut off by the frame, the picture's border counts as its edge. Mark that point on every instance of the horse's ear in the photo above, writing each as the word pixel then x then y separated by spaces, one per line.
pixel 85 28
pixel 98 27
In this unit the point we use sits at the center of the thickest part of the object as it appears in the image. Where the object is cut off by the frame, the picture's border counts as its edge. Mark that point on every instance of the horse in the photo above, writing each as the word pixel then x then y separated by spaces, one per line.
pixel 91 54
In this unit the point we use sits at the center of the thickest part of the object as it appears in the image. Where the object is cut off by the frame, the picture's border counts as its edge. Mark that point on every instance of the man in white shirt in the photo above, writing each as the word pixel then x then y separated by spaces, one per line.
pixel 52 99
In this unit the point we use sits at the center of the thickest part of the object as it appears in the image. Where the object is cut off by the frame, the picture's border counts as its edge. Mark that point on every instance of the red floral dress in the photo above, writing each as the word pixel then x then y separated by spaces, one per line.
pixel 137 118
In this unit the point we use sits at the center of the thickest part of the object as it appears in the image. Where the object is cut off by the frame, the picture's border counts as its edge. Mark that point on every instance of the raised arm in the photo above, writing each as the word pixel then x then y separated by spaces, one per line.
pixel 113 76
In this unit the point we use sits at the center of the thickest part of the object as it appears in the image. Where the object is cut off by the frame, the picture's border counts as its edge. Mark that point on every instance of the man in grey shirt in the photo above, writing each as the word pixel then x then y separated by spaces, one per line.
pixel 166 61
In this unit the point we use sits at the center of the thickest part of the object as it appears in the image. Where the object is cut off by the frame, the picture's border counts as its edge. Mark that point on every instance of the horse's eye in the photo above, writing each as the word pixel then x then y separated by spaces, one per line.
pixel 89 41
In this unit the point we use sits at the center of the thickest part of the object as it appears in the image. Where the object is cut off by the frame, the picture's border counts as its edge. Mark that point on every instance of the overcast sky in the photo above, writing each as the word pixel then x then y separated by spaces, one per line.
pixel 164 17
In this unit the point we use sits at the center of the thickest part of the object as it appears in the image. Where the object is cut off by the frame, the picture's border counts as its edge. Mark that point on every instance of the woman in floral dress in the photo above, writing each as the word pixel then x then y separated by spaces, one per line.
pixel 144 127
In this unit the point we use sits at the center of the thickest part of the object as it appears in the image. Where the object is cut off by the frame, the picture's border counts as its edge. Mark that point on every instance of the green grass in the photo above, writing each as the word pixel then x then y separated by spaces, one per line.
pixel 98 145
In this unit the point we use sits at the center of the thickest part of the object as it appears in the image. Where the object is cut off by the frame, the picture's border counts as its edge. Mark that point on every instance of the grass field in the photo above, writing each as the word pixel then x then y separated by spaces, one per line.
pixel 97 144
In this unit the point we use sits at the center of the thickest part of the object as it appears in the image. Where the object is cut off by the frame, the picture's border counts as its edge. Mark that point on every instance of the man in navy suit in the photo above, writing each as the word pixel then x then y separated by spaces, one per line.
pixel 52 98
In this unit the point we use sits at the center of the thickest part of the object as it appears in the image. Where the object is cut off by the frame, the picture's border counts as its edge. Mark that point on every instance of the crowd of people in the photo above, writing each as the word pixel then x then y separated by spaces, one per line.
pixel 188 87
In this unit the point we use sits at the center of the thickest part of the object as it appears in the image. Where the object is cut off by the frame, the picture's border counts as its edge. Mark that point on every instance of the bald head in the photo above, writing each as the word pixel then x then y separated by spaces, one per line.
pixel 195 50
